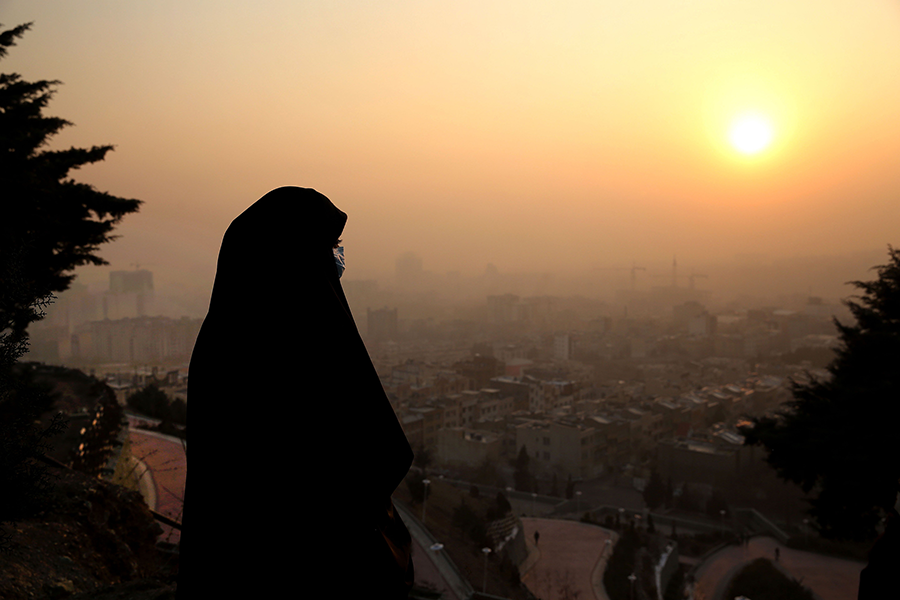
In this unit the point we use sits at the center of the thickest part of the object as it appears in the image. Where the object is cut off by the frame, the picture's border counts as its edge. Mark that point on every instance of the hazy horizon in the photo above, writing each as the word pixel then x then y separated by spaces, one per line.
pixel 538 136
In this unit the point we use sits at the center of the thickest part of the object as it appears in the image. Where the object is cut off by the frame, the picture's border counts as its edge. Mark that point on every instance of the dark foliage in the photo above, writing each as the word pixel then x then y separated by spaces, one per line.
pixel 471 524
pixel 760 579
pixel 500 508
pixel 51 223
pixel 837 438
pixel 154 402
pixel 522 475
pixel 621 564
pixel 100 436
pixel 24 481
pixel 150 401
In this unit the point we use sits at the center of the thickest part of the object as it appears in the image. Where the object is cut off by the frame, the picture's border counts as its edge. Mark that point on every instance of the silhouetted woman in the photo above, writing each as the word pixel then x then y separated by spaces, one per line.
pixel 294 447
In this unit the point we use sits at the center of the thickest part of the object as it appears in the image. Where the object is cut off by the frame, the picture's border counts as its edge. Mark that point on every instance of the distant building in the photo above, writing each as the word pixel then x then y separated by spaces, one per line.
pixel 123 282
pixel 135 341
pixel 720 463
pixel 459 446
pixel 565 447
pixel 130 294
pixel 480 369
pixel 562 347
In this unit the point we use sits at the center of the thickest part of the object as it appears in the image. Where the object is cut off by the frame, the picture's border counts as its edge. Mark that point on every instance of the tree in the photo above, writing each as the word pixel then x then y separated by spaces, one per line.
pixel 522 474
pixel 837 437
pixel 49 224
pixel 150 401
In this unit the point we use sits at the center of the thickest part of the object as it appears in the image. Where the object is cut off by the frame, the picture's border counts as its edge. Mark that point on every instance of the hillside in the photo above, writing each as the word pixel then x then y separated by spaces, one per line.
pixel 502 578
pixel 95 541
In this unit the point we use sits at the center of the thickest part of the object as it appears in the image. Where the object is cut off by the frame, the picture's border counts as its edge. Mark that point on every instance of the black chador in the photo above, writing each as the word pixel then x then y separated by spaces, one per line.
pixel 294 447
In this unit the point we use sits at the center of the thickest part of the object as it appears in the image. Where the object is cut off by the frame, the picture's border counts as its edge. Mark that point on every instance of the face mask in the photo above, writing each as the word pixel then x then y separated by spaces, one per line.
pixel 339 260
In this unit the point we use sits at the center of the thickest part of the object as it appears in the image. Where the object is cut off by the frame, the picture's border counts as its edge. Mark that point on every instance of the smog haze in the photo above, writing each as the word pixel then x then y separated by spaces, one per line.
pixel 576 139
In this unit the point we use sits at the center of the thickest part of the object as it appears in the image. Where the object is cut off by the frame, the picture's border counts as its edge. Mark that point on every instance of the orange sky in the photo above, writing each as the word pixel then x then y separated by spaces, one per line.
pixel 533 135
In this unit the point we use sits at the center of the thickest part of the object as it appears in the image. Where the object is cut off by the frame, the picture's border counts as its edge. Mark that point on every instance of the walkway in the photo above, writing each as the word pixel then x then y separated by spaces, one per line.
pixel 167 463
pixel 829 578
pixel 433 568
pixel 572 555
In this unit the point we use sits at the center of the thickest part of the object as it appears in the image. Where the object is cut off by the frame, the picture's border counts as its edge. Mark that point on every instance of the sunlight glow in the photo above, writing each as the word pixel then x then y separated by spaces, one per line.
pixel 750 134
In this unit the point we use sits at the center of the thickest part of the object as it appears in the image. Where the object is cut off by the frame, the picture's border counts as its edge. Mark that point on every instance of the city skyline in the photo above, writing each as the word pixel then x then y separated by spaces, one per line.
pixel 535 137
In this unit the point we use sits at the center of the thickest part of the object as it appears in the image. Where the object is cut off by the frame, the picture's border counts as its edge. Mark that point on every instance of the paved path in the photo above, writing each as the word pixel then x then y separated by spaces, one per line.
pixel 828 578
pixel 570 555
pixel 433 568
pixel 167 463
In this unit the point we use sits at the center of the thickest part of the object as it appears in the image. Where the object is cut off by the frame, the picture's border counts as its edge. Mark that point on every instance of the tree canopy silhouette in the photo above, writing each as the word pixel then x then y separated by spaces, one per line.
pixel 837 437
pixel 49 224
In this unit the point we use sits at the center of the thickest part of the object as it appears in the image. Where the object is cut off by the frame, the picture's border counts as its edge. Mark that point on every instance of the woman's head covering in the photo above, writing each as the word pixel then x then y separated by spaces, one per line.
pixel 288 230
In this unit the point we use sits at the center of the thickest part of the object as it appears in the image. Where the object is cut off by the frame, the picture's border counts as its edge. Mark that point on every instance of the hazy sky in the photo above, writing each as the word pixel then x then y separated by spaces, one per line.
pixel 529 134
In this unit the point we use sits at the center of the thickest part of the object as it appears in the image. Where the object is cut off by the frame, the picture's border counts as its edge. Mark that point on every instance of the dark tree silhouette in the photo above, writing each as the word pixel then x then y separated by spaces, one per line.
pixel 150 401
pixel 837 437
pixel 49 223
pixel 522 474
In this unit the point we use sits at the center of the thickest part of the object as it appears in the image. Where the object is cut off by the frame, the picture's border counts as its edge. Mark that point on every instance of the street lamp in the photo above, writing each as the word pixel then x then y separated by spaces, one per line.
pixel 631 578
pixel 424 498
pixel 486 551
pixel 533 498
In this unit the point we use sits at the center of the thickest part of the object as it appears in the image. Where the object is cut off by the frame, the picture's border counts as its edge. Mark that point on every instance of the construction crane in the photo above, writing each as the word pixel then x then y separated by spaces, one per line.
pixel 634 269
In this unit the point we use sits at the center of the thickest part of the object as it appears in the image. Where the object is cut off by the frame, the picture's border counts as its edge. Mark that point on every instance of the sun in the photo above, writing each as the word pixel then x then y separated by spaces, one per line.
pixel 750 134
